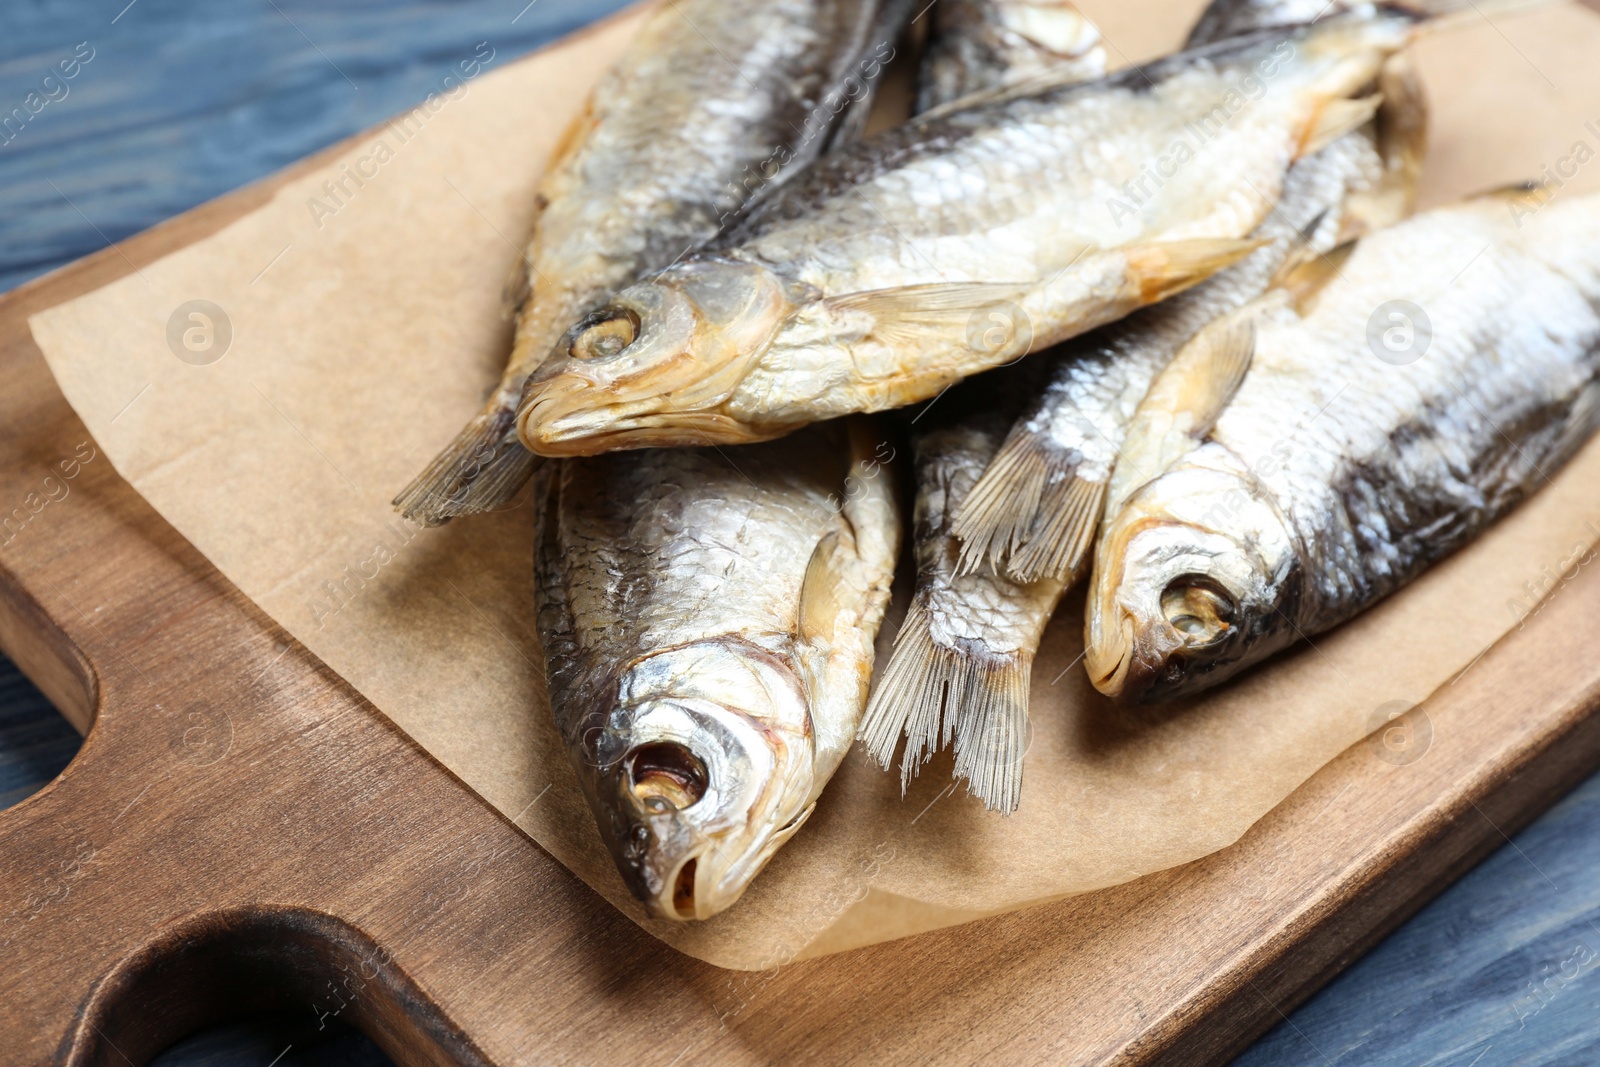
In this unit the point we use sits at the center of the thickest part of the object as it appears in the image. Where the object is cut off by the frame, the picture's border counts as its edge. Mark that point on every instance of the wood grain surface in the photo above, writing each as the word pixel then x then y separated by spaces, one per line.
pixel 241 832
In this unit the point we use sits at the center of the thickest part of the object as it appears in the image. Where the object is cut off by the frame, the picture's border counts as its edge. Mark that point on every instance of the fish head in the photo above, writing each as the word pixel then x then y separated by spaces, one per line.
pixel 1194 580
pixel 702 770
pixel 650 367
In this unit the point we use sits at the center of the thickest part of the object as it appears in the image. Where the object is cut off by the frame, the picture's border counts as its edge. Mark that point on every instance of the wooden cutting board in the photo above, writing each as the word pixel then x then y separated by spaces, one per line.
pixel 242 832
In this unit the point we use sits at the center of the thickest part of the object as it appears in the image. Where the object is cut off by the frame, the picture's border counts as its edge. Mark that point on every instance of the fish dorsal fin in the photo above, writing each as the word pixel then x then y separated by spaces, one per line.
pixel 906 314
pixel 1184 402
pixel 1335 119
pixel 1167 267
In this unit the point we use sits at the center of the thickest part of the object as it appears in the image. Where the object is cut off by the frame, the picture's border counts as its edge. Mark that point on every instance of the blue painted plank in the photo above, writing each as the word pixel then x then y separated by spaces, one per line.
pixel 1500 970
pixel 183 101
pixel 35 743
pixel 275 1041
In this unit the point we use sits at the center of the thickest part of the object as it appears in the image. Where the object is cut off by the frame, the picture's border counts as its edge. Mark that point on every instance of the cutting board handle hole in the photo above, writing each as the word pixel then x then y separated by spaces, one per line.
pixel 223 966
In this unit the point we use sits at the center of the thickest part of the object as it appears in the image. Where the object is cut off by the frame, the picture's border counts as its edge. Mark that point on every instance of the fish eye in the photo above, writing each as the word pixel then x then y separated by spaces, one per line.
pixel 1198 607
pixel 665 776
pixel 605 334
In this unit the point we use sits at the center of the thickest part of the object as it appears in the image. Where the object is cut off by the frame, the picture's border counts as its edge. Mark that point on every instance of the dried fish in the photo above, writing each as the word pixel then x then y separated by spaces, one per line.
pixel 712 105
pixel 1035 510
pixel 980 45
pixel 708 618
pixel 1443 374
pixel 860 285
pixel 962 663
pixel 963 658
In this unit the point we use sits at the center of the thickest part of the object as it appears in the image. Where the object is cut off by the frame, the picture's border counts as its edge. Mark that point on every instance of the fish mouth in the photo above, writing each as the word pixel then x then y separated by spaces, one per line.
pixel 1132 666
pixel 698 887
pixel 1110 659
pixel 569 416
pixel 683 895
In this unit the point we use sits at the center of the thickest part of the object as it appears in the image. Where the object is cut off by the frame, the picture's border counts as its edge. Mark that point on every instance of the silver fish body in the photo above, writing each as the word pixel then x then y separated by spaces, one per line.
pixel 963 657
pixel 711 106
pixel 981 45
pixel 1035 511
pixel 708 619
pixel 868 282
pixel 962 663
pixel 1234 18
pixel 1037 507
pixel 1364 444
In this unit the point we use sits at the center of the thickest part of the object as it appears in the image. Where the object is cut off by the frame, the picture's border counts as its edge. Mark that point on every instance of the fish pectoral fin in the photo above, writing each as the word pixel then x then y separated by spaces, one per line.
pixel 909 313
pixel 829 572
pixel 1304 277
pixel 1209 370
pixel 1184 402
pixel 1162 268
pixel 1336 118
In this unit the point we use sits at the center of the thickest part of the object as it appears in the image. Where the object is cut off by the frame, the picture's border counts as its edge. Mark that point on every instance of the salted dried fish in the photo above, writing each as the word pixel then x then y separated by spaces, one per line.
pixel 963 658
pixel 1035 510
pixel 980 45
pixel 712 105
pixel 859 285
pixel 962 663
pixel 708 618
pixel 1233 18
pixel 1443 374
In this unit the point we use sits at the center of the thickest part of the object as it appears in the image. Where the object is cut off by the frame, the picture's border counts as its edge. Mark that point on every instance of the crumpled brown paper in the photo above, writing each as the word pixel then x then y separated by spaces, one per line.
pixel 353 324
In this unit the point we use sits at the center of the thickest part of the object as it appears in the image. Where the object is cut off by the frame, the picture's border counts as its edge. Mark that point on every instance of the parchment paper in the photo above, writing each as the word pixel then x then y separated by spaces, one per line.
pixel 363 307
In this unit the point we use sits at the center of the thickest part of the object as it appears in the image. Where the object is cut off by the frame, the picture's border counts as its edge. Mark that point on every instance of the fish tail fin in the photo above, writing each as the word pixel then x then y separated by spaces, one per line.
pixel 906 702
pixel 991 729
pixel 1030 514
pixel 936 696
pixel 1061 546
pixel 480 470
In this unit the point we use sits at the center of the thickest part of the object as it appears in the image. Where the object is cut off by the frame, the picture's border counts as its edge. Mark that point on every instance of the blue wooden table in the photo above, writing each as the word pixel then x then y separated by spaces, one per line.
pixel 173 102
